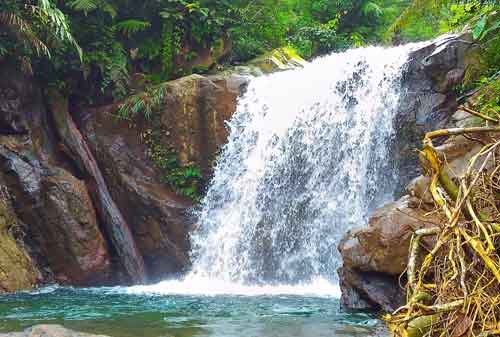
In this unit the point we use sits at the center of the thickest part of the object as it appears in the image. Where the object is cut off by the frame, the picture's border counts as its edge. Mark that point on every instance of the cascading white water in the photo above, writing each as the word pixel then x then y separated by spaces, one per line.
pixel 307 158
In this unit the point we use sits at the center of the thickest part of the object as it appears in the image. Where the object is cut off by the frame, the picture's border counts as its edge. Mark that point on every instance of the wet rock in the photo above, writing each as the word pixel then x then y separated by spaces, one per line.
pixel 428 100
pixel 59 218
pixel 48 330
pixel 376 255
pixel 158 218
pixel 17 270
pixel 112 219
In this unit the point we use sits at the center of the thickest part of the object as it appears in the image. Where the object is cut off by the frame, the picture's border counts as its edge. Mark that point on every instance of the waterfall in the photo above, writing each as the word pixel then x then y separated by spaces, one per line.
pixel 308 157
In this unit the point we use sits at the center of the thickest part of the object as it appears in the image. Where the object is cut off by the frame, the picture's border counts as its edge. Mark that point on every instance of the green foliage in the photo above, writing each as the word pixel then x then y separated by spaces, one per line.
pixel 169 48
pixel 88 6
pixel 146 103
pixel 132 26
pixel 185 180
pixel 488 98
pixel 425 19
pixel 31 28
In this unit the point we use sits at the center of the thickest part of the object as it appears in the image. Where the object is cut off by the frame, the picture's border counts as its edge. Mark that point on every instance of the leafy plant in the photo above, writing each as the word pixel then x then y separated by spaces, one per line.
pixel 146 102
pixel 33 27
pixel 132 26
pixel 185 180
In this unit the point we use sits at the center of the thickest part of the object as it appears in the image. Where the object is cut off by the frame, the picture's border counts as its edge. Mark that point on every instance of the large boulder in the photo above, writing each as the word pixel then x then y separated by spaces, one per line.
pixel 194 116
pixel 375 256
pixel 428 99
pixel 158 218
pixel 59 218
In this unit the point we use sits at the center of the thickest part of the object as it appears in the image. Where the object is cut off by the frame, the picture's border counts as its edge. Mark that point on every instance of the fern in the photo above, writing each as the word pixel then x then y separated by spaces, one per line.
pixel 131 26
pixel 48 14
pixel 24 31
pixel 146 102
pixel 85 6
pixel 88 6
pixel 371 9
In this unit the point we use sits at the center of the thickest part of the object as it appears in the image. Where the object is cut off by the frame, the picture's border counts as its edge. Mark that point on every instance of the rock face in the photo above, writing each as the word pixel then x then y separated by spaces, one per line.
pixel 376 256
pixel 428 100
pixel 48 330
pixel 17 270
pixel 80 201
pixel 157 217
pixel 194 116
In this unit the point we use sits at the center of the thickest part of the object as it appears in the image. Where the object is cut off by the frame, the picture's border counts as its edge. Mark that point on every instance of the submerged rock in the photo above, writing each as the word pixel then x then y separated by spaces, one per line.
pixel 48 330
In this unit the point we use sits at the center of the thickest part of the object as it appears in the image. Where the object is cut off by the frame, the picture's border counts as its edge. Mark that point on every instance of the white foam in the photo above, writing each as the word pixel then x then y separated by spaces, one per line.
pixel 202 286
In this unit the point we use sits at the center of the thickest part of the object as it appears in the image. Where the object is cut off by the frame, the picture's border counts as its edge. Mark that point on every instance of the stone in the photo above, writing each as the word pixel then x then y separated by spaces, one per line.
pixel 375 256
pixel 72 242
pixel 112 220
pixel 419 188
pixel 158 218
pixel 48 330
pixel 457 152
pixel 194 115
pixel 428 100
pixel 278 60
pixel 59 218
pixel 17 270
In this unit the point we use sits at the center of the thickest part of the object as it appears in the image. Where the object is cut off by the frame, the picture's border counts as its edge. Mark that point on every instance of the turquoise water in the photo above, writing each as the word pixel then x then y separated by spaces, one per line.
pixel 117 312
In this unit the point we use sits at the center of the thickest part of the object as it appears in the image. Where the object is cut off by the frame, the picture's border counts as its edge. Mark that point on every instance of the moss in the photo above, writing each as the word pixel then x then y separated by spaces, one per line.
pixel 16 269
pixel 185 180
pixel 278 59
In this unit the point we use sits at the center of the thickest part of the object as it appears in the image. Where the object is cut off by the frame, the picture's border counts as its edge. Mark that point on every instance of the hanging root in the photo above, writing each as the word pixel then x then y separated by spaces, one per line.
pixel 454 289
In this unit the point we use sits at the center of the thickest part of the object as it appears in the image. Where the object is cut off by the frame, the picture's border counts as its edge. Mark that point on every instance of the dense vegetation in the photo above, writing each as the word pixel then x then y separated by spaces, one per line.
pixel 106 41
pixel 101 51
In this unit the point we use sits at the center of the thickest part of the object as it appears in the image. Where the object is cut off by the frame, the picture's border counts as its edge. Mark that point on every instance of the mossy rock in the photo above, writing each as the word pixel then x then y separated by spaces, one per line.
pixel 279 59
pixel 17 271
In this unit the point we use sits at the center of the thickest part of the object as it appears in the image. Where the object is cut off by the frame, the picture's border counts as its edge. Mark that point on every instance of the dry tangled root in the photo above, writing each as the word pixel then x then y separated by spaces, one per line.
pixel 453 269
